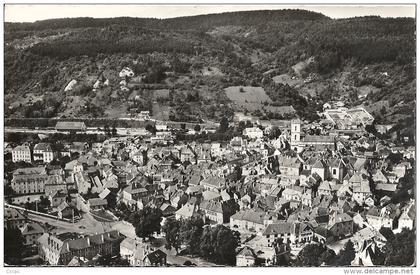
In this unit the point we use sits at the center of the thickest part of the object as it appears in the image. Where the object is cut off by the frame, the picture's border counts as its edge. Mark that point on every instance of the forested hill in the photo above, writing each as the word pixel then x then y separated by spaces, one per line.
pixel 299 58
pixel 201 22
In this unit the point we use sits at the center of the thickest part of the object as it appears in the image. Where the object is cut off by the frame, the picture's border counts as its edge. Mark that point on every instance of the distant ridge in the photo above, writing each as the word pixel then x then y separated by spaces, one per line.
pixel 205 21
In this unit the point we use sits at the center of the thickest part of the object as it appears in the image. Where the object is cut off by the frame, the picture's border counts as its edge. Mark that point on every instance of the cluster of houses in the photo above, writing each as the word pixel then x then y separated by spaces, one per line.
pixel 286 191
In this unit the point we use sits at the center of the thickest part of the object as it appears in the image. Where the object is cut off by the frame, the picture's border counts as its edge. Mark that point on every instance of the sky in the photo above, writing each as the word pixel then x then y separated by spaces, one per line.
pixel 34 12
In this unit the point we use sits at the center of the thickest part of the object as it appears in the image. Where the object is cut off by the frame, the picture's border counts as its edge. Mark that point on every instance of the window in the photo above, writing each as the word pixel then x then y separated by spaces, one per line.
pixel 334 171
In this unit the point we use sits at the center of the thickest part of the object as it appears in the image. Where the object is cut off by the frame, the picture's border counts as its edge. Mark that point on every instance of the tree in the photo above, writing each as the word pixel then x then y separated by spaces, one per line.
pixel 346 255
pixel 387 232
pixel 114 131
pixel 224 125
pixel 219 244
pixel 241 126
pixel 151 128
pixel 313 255
pixel 400 250
pixel 226 244
pixel 190 234
pixel 13 246
pixel 146 221
pixel 274 133
pixel 197 128
pixel 106 130
pixel 172 235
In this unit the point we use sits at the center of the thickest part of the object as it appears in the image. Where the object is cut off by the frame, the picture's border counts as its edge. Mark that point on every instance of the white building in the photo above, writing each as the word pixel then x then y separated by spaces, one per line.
pixel 43 151
pixel 21 153
pixel 253 132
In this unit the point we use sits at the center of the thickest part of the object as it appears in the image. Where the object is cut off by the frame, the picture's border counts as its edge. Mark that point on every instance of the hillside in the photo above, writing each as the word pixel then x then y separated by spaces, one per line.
pixel 182 66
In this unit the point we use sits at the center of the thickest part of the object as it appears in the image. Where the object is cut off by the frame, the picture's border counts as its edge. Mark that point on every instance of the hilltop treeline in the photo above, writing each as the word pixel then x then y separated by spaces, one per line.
pixel 288 33
pixel 202 22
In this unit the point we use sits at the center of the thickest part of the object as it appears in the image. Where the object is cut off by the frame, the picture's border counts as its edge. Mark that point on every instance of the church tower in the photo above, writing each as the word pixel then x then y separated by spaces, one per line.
pixel 295 134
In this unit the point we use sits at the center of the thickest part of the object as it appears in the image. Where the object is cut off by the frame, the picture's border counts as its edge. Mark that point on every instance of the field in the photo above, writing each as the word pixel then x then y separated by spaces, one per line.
pixel 249 94
pixel 287 79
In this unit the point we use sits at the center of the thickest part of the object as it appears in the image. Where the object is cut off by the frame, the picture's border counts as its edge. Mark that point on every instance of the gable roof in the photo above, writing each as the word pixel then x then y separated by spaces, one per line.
pixel 249 215
pixel 279 228
pixel 246 251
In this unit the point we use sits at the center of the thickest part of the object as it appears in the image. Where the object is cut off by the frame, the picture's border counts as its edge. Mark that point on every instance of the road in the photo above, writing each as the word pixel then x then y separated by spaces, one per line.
pixel 87 225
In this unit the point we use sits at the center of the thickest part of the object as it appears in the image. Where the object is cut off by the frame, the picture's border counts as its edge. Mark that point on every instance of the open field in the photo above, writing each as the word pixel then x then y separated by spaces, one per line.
pixel 249 94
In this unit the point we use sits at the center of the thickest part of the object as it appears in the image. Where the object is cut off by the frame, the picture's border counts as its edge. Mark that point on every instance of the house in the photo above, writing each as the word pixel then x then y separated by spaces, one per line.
pixel 55 183
pixel 213 183
pixel 60 252
pixel 307 197
pixel 319 168
pixel 13 218
pixel 325 189
pixel 153 258
pixel 128 248
pixel 212 210
pixel 365 236
pixel 379 177
pixel 340 224
pixel 407 217
pixel 400 170
pixel 83 182
pixel 21 153
pixel 138 157
pixel 187 154
pixel 289 166
pixel 336 169
pixel 31 232
pixel 64 211
pixel 361 192
pixel 246 256
pixel 186 211
pixel 367 254
pixel 43 152
pixel 29 184
pixel 73 166
pixel 56 198
pixel 139 253
pixel 253 132
pixel 248 220
pixel 70 126
pixel 378 219
pixel 97 203
pixel 167 209
pixel 292 193
pixel 292 232
pixel 238 143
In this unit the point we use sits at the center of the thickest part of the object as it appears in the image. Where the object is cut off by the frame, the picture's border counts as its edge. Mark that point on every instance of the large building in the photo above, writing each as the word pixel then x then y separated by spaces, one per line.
pixel 43 152
pixel 21 153
pixel 29 184
pixel 61 252
pixel 31 232
pixel 297 143
pixel 253 132
pixel 70 126
pixel 343 118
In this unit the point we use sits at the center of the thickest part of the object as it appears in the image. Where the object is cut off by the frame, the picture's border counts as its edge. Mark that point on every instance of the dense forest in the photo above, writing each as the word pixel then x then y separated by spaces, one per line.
pixel 210 53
